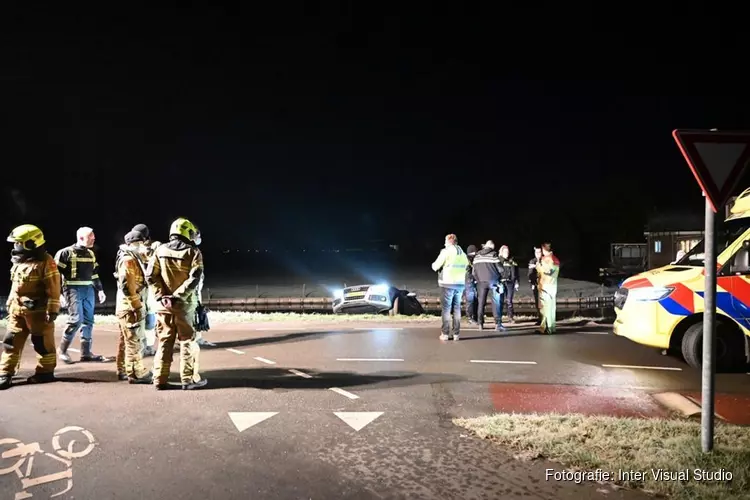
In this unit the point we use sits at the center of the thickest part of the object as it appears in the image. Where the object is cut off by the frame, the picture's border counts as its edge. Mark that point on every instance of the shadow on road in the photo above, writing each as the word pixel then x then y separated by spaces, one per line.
pixel 279 339
pixel 532 331
pixel 78 376
pixel 280 378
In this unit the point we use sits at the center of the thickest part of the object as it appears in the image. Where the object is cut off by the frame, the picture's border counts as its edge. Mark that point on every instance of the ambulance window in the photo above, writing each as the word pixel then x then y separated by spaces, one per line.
pixel 657 246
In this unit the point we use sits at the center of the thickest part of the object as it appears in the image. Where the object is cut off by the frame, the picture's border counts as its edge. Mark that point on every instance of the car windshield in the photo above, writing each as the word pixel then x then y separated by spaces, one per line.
pixel 726 233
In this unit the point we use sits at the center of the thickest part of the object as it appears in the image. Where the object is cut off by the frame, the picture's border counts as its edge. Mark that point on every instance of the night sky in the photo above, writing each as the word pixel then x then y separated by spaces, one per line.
pixel 297 125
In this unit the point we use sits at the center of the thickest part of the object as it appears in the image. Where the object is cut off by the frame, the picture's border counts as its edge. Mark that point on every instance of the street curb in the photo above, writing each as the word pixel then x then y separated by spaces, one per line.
pixel 677 403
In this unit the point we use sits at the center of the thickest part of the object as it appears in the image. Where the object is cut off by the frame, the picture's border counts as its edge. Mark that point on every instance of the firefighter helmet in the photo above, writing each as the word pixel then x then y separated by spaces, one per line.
pixel 185 228
pixel 28 236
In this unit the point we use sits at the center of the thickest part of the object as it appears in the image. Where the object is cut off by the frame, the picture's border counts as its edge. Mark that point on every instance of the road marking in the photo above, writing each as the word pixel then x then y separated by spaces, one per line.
pixel 358 420
pixel 300 374
pixel 344 393
pixel 245 420
pixel 502 362
pixel 235 351
pixel 379 328
pixel 369 359
pixel 264 360
pixel 668 368
pixel 73 349
pixel 276 329
pixel 595 333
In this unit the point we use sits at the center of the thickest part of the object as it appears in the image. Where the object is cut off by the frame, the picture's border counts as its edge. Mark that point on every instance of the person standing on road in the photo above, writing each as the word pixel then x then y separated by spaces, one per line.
pixel 148 339
pixel 130 309
pixel 549 270
pixel 511 282
pixel 471 286
pixel 33 305
pixel 174 272
pixel 80 279
pixel 534 281
pixel 451 266
pixel 489 274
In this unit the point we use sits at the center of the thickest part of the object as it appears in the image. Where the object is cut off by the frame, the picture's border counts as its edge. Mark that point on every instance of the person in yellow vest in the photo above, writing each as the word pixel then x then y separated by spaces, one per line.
pixel 130 309
pixel 451 265
pixel 548 271
pixel 33 305
pixel 174 272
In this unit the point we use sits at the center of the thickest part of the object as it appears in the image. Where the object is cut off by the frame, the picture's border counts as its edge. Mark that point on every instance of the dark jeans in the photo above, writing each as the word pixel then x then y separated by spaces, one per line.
pixel 484 289
pixel 450 304
pixel 471 301
pixel 509 291
pixel 80 313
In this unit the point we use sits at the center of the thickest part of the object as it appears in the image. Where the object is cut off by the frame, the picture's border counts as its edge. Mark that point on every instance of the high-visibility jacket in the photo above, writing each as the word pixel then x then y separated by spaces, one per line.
pixel 175 270
pixel 35 284
pixel 451 265
pixel 78 267
pixel 132 291
pixel 548 270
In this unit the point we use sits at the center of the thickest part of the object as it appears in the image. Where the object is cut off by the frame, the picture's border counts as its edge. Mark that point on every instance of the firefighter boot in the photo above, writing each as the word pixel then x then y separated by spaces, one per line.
pixel 64 356
pixel 41 378
pixel 146 379
pixel 87 356
pixel 5 382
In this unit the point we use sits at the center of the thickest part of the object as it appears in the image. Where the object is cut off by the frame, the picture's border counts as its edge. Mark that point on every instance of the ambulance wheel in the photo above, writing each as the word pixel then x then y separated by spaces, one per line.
pixel 730 351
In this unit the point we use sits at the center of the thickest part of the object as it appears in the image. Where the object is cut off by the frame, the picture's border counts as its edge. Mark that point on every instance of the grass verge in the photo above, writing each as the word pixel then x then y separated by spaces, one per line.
pixel 216 317
pixel 587 443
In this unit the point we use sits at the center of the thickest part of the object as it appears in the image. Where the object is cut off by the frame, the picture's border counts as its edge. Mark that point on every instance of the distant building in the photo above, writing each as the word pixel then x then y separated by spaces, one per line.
pixel 668 233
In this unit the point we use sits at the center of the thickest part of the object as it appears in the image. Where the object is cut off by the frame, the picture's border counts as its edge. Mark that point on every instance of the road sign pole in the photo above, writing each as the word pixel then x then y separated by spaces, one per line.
pixel 709 333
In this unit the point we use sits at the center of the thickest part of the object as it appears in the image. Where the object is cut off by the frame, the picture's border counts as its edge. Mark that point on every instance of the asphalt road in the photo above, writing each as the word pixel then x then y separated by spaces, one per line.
pixel 311 411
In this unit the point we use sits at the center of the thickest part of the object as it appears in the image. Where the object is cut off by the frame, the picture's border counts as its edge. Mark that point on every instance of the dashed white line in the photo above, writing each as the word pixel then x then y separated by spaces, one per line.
pixel 369 359
pixel 300 374
pixel 73 349
pixel 276 329
pixel 595 333
pixel 379 328
pixel 344 393
pixel 635 367
pixel 264 360
pixel 502 362
pixel 236 351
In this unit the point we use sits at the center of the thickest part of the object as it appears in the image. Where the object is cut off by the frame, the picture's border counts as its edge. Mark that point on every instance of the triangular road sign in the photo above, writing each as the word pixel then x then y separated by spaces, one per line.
pixel 717 159
pixel 246 419
pixel 357 420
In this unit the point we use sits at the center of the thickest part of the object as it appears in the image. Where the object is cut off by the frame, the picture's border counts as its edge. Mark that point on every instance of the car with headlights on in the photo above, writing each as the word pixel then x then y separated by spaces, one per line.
pixel 375 299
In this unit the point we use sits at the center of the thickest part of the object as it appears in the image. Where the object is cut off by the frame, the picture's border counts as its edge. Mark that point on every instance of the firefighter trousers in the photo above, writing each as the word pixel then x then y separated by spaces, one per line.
pixel 129 359
pixel 176 326
pixel 21 325
pixel 548 309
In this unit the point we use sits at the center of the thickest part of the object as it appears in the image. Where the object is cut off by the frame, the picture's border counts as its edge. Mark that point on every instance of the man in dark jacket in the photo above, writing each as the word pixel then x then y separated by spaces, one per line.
pixel 533 280
pixel 510 282
pixel 489 273
pixel 471 286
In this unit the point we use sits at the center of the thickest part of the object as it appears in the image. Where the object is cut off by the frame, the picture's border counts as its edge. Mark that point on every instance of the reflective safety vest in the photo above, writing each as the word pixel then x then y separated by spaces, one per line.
pixel 78 267
pixel 451 265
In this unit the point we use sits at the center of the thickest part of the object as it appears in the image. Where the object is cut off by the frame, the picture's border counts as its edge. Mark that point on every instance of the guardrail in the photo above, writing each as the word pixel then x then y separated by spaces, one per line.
pixel 324 304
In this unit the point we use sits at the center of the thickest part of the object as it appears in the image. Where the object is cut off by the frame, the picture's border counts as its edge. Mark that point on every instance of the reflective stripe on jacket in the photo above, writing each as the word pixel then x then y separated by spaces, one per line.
pixel 451 265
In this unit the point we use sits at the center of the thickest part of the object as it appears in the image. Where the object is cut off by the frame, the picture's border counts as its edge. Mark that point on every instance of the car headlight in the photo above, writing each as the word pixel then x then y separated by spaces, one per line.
pixel 649 294
pixel 379 289
pixel 338 294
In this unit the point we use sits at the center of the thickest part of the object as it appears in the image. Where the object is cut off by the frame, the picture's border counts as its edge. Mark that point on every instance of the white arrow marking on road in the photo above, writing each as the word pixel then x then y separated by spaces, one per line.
pixel 502 362
pixel 379 328
pixel 264 360
pixel 235 351
pixel 369 359
pixel 245 420
pixel 357 420
pixel 300 374
pixel 669 368
pixel 344 393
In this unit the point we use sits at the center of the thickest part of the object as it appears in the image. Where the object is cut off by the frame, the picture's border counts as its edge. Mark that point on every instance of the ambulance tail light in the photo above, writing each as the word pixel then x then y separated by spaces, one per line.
pixel 650 293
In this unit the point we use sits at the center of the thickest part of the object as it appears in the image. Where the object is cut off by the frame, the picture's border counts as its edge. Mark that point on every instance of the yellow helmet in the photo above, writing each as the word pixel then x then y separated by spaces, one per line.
pixel 185 228
pixel 28 235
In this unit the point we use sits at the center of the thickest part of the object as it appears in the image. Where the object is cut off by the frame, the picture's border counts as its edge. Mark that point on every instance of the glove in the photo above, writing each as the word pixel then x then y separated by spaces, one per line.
pixel 51 317
pixel 63 301
pixel 517 286
pixel 102 297
pixel 201 319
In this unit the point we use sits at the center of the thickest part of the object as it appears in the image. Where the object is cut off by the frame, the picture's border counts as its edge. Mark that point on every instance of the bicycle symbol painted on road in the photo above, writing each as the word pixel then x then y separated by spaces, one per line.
pixel 15 454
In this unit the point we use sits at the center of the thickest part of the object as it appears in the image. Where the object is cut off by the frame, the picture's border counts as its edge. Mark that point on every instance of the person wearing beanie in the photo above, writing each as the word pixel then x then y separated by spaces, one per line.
pixel 130 273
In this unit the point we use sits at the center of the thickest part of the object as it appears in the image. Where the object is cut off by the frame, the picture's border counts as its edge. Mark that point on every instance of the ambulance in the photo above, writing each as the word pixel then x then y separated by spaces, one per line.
pixel 663 308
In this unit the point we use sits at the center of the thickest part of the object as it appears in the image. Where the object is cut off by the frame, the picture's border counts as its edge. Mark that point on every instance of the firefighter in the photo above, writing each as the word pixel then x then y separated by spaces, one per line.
pixel 534 281
pixel 130 309
pixel 174 272
pixel 471 286
pixel 149 337
pixel 80 273
pixel 548 270
pixel 510 282
pixel 33 305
